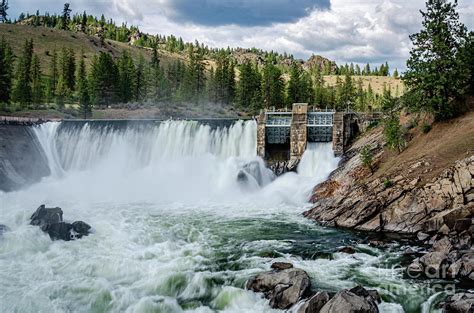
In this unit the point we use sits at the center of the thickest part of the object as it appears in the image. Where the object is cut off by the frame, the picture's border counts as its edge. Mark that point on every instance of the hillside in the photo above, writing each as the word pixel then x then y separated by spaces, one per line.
pixel 377 83
pixel 46 39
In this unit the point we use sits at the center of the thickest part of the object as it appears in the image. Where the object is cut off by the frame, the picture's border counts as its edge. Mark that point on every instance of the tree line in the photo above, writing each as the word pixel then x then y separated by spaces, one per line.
pixel 109 81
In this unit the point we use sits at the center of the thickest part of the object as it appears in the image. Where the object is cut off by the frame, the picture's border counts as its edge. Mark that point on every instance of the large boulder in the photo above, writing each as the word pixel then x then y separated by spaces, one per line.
pixel 349 302
pixel 66 231
pixel 283 288
pixel 315 303
pixel 50 220
pixel 45 215
pixel 459 303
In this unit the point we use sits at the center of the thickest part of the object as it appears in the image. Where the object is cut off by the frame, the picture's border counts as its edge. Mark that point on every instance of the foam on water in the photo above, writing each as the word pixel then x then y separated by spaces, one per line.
pixel 174 231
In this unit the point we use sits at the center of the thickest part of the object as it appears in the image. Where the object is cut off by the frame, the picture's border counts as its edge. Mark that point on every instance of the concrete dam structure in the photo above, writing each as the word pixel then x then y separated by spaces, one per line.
pixel 284 135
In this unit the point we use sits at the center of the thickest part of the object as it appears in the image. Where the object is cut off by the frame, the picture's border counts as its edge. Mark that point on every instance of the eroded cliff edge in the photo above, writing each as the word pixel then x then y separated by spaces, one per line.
pixel 427 185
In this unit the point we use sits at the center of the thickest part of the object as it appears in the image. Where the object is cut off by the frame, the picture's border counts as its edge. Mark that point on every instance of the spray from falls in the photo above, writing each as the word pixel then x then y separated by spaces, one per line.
pixel 173 161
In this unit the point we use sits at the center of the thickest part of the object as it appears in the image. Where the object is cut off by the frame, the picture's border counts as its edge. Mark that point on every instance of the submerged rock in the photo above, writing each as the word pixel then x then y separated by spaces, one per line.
pixel 50 220
pixel 3 229
pixel 348 250
pixel 281 266
pixel 284 288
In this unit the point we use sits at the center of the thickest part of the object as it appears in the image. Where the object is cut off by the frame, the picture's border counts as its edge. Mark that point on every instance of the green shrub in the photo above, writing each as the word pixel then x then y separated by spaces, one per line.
pixel 394 134
pixel 387 183
pixel 366 157
pixel 426 128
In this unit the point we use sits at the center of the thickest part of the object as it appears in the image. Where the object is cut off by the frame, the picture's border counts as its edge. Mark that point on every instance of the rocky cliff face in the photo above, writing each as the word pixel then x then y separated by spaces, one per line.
pixel 22 160
pixel 396 203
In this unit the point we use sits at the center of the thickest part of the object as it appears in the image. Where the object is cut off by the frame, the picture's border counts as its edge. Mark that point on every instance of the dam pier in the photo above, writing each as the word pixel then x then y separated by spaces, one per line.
pixel 282 136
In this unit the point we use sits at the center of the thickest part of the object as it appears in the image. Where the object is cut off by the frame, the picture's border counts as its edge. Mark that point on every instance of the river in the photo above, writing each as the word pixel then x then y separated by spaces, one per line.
pixel 174 231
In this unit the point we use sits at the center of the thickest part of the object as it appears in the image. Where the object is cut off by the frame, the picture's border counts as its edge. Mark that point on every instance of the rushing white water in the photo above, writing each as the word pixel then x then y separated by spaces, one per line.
pixel 174 229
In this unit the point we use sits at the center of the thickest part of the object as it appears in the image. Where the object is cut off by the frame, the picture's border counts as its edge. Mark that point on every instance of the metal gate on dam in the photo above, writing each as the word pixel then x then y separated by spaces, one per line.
pixel 283 135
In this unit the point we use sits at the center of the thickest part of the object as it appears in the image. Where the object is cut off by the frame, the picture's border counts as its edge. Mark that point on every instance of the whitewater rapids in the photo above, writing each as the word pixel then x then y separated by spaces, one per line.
pixel 174 231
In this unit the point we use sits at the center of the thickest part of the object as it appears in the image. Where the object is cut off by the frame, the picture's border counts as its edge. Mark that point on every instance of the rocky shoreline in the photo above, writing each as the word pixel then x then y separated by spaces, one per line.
pixel 437 212
pixel 290 288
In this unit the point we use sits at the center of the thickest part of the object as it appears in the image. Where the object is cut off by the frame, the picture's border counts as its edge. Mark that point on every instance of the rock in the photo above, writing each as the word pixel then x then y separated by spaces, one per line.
pixel 281 266
pixel 415 269
pixel 409 251
pixel 59 231
pixel 444 230
pixel 462 224
pixel 3 229
pixel 51 221
pixel 81 228
pixel 315 303
pixel 434 263
pixel 454 268
pixel 444 245
pixel 377 243
pixel 459 303
pixel 348 302
pixel 242 177
pixel 283 288
pixel 467 266
pixel 422 236
pixel 348 250
pixel 372 295
pixel 45 215
pixel 253 169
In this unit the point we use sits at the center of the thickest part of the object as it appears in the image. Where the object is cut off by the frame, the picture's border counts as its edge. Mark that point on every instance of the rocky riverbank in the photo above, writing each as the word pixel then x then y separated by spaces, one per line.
pixel 290 288
pixel 426 192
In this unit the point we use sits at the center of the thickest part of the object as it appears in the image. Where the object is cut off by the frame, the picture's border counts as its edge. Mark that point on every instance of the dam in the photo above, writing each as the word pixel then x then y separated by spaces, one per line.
pixel 284 135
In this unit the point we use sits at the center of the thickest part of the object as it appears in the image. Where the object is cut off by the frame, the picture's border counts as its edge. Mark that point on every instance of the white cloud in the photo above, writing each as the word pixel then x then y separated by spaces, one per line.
pixel 360 31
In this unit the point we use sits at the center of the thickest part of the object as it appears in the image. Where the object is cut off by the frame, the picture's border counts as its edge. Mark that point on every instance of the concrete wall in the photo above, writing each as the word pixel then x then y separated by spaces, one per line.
pixel 298 131
pixel 22 160
pixel 261 120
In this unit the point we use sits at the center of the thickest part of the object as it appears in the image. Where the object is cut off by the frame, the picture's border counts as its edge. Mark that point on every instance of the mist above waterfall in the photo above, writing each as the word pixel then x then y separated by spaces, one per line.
pixel 181 161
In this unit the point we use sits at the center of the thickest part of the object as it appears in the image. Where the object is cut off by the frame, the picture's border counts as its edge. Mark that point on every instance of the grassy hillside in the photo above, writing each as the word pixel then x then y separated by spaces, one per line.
pixel 376 82
pixel 47 39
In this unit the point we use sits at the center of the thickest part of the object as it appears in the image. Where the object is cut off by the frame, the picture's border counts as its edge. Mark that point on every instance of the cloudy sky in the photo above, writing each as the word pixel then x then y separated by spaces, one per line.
pixel 358 31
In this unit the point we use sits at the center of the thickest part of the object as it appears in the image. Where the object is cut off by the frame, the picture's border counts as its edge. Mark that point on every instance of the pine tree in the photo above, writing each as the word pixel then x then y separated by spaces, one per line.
pixel 193 85
pixel 157 79
pixel 141 81
pixel 66 17
pixel 103 80
pixel 293 91
pixel 273 86
pixel 68 67
pixel 6 71
pixel 84 22
pixel 85 106
pixel 249 87
pixel 127 78
pixel 3 11
pixel 53 77
pixel 36 82
pixel 22 87
pixel 395 73
pixel 435 70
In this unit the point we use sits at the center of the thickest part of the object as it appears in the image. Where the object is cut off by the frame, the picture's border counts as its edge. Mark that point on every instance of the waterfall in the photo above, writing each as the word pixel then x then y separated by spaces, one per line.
pixel 173 160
